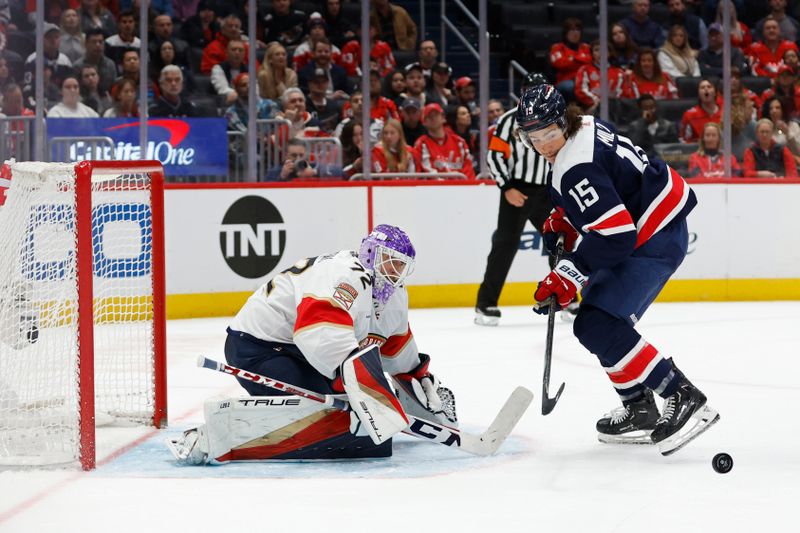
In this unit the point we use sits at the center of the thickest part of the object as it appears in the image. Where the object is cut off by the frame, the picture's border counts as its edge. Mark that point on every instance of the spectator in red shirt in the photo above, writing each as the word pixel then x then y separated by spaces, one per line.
pixel 5 178
pixel 785 87
pixel 392 154
pixel 380 52
pixel 707 110
pixel 440 150
pixel 381 108
pixel 708 161
pixel 587 81
pixel 569 55
pixel 317 29
pixel 792 60
pixel 740 33
pixel 766 158
pixel 647 78
pixel 766 55
pixel 12 107
pixel 216 51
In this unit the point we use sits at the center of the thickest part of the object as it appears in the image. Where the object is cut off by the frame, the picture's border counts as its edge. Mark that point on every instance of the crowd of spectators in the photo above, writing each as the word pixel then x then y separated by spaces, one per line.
pixel 424 117
pixel 308 76
pixel 650 60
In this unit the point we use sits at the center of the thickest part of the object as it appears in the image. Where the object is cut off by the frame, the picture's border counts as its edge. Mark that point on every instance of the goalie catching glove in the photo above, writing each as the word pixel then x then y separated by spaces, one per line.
pixel 562 284
pixel 418 388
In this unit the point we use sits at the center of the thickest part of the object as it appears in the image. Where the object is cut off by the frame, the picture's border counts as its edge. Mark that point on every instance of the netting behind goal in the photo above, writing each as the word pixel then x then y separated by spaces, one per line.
pixel 81 314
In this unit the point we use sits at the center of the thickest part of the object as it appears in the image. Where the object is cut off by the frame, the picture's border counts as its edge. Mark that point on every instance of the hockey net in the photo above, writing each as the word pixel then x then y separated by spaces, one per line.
pixel 81 307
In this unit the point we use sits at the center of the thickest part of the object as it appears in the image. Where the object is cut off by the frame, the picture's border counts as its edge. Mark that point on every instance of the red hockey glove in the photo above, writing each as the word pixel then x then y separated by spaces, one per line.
pixel 563 283
pixel 557 223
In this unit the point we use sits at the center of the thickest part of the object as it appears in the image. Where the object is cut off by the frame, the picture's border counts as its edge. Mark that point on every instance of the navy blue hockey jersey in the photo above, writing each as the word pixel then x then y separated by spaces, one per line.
pixel 613 195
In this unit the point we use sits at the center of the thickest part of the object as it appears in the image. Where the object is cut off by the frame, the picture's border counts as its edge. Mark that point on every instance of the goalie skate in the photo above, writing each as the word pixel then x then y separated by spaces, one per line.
pixel 189 449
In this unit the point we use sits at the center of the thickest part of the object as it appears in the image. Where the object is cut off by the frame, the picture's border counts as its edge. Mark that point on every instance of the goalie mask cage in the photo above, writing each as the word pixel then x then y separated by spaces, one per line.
pixel 82 330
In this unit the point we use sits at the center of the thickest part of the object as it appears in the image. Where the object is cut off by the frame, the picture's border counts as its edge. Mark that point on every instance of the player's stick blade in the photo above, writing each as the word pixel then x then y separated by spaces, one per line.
pixel 548 404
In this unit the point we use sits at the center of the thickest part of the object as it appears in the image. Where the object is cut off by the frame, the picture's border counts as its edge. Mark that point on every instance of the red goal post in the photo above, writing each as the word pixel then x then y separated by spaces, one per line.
pixel 82 320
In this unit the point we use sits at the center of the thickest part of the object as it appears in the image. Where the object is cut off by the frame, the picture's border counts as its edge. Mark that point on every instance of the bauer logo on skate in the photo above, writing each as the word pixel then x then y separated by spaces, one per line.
pixel 253 237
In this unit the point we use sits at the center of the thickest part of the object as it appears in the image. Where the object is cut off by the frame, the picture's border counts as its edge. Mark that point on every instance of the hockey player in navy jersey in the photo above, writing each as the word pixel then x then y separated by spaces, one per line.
pixel 624 221
pixel 304 327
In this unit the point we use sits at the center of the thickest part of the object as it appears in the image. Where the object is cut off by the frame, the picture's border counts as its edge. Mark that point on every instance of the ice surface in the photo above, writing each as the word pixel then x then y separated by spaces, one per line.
pixel 551 475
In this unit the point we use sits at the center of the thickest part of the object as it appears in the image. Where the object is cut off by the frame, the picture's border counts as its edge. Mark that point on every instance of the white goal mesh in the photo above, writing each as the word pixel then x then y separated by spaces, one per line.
pixel 48 253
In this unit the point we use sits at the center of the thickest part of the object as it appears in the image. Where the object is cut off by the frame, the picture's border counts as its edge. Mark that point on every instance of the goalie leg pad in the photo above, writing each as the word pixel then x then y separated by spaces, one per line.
pixel 370 395
pixel 259 428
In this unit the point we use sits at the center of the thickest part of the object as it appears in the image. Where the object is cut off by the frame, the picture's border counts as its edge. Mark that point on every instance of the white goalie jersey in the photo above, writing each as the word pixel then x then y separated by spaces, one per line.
pixel 324 306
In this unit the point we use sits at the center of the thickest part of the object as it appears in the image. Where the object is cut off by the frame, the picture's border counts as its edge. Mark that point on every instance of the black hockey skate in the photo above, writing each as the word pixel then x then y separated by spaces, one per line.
pixel 630 424
pixel 487 316
pixel 685 416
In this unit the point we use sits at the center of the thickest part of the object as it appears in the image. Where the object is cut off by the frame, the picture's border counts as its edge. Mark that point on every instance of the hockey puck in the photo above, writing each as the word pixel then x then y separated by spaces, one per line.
pixel 722 463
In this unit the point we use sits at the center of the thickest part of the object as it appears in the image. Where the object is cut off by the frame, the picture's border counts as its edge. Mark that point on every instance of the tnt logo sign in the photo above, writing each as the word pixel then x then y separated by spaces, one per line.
pixel 253 237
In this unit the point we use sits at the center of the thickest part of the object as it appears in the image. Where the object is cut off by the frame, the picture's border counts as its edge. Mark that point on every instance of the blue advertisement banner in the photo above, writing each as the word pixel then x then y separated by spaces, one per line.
pixel 185 146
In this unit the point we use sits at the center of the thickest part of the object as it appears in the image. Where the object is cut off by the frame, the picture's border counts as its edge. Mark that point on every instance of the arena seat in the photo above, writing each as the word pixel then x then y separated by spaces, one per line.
pixel 687 86
pixel 673 109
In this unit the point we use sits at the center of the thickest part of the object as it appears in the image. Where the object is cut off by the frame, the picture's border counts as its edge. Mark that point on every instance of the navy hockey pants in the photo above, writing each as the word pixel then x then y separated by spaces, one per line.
pixel 276 360
pixel 615 300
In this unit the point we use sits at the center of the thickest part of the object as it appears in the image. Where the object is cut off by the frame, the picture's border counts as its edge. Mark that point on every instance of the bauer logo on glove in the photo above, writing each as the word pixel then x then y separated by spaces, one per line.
pixel 562 284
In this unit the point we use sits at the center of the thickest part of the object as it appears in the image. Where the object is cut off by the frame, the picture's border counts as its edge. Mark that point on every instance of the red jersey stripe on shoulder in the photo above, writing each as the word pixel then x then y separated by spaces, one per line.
pixel 395 344
pixel 313 311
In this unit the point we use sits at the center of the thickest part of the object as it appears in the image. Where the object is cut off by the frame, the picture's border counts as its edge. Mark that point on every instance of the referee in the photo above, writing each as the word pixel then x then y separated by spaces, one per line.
pixel 521 174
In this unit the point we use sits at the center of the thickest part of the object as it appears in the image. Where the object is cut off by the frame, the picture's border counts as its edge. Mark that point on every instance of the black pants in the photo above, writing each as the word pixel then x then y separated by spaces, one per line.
pixel 505 242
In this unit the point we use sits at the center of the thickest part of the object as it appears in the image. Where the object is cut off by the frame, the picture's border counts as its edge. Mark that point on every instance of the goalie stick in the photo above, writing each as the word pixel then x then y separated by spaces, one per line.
pixel 482 445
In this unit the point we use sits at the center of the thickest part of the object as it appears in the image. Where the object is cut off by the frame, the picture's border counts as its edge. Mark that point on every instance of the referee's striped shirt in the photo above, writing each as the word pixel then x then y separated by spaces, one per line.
pixel 512 163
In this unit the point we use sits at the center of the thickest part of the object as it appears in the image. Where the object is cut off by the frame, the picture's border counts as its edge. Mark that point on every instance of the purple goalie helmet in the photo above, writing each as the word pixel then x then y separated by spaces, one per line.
pixel 388 253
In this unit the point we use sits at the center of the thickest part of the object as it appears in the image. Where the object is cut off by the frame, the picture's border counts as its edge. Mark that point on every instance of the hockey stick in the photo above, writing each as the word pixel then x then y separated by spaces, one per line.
pixel 482 445
pixel 548 403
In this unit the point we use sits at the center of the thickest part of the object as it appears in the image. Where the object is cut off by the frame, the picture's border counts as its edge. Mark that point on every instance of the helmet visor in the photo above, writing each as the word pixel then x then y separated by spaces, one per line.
pixel 393 266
